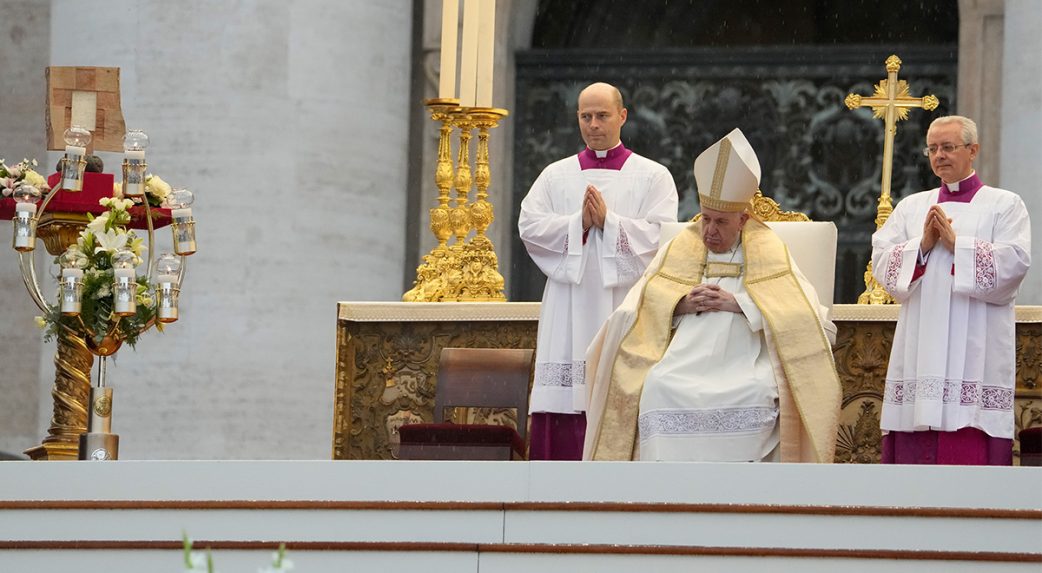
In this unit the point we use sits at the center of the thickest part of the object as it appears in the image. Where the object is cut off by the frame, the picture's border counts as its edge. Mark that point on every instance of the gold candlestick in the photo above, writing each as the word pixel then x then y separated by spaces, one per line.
pixel 429 285
pixel 481 278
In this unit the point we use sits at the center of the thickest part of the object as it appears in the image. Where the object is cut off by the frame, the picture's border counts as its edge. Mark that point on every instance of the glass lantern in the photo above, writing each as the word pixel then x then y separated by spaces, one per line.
pixel 134 144
pixel 75 161
pixel 124 285
pixel 183 225
pixel 72 262
pixel 167 268
pixel 24 222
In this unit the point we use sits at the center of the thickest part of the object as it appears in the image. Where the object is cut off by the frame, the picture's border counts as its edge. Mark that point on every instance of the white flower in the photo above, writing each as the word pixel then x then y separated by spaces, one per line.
pixel 157 187
pixel 35 179
pixel 117 190
pixel 97 226
pixel 110 241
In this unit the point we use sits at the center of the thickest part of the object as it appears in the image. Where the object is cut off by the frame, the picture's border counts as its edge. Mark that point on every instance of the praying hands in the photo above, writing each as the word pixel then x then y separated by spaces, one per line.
pixel 937 228
pixel 707 298
pixel 594 208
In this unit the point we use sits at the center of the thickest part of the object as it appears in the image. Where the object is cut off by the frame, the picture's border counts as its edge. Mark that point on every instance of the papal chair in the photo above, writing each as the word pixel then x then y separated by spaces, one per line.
pixel 496 378
pixel 812 244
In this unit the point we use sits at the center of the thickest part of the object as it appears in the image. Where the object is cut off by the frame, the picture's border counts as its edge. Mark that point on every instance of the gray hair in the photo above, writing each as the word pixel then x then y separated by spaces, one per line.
pixel 968 127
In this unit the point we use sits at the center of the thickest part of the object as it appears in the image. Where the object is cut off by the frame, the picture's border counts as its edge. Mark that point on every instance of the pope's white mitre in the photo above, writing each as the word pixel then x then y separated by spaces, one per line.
pixel 728 173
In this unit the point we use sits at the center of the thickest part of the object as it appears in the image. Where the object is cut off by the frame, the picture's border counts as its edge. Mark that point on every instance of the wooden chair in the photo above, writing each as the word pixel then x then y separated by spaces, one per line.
pixel 474 378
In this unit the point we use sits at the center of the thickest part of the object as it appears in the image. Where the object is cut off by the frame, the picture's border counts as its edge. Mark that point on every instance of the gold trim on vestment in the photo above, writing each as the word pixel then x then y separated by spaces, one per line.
pixel 646 342
pixel 721 169
pixel 721 205
pixel 806 355
pixel 721 269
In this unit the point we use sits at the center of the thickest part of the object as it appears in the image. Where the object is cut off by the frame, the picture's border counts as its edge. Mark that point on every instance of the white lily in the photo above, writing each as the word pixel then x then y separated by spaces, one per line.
pixel 110 241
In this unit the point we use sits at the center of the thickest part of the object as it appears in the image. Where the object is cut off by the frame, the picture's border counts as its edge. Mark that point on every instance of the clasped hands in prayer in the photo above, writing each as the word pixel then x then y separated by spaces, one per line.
pixel 594 209
pixel 707 298
pixel 937 228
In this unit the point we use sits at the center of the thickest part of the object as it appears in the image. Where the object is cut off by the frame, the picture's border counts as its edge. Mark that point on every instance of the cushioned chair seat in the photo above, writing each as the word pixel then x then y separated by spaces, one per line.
pixel 496 378
pixel 463 436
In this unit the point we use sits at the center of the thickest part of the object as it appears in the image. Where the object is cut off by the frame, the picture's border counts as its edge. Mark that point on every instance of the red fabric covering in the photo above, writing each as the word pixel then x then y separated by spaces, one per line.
pixel 963 447
pixel 557 436
pixel 462 435
pixel 95 186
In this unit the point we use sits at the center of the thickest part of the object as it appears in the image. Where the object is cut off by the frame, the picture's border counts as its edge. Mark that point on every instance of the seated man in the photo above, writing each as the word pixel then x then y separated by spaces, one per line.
pixel 721 351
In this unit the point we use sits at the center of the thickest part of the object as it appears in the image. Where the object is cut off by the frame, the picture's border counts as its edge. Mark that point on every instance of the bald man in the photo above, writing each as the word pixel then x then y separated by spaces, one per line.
pixel 591 224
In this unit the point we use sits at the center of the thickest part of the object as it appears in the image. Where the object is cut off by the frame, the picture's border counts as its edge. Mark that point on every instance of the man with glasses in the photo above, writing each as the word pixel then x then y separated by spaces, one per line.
pixel 953 257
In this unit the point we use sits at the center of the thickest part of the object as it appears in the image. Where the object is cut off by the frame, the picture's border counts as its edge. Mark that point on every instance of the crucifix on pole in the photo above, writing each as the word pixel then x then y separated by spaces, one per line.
pixel 890 102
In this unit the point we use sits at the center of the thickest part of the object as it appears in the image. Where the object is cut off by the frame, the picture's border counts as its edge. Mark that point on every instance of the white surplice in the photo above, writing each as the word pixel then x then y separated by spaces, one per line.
pixel 714 396
pixel 585 282
pixel 953 360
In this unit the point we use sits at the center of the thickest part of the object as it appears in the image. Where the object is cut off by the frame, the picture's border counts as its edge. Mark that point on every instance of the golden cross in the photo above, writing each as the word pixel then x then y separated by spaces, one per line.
pixel 891 103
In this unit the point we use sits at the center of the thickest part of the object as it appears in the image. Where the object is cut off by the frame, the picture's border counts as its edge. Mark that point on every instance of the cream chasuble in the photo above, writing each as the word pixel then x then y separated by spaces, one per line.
pixel 587 277
pixel 953 357
pixel 713 396
pixel 635 345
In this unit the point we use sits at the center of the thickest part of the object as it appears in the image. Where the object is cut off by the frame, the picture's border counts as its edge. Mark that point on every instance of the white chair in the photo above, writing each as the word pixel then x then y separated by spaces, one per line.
pixel 811 243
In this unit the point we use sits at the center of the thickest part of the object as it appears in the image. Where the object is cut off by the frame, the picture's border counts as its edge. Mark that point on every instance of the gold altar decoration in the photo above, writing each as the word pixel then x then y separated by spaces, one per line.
pixel 890 102
pixel 387 361
pixel 466 270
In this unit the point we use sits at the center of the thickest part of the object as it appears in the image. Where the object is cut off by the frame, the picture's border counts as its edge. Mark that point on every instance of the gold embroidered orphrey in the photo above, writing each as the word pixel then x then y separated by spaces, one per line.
pixel 806 358
pixel 891 103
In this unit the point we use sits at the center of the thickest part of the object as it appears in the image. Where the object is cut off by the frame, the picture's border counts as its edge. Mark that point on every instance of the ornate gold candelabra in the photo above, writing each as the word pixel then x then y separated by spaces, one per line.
pixel 81 422
pixel 889 102
pixel 465 270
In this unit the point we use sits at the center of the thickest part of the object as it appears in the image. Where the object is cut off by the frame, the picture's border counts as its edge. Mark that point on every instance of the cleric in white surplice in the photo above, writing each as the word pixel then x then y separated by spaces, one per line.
pixel 954 258
pixel 591 224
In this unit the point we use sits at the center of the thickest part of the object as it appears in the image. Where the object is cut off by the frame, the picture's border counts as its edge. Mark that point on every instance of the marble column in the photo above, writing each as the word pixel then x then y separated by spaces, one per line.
pixel 25 37
pixel 980 79
pixel 1022 124
pixel 286 118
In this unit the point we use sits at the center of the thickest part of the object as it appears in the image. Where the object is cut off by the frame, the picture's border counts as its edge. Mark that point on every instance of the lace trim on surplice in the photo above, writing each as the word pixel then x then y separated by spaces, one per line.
pixel 893 268
pixel 566 374
pixel 949 392
pixel 985 265
pixel 627 264
pixel 706 421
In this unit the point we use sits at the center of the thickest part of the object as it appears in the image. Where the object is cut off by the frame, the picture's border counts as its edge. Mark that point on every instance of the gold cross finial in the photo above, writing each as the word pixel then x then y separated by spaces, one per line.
pixel 890 102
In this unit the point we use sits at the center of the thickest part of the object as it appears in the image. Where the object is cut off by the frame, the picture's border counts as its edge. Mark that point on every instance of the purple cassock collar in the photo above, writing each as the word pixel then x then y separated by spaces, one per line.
pixel 613 159
pixel 964 190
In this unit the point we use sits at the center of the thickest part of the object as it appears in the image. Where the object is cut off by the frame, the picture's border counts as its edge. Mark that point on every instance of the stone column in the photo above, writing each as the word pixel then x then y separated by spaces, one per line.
pixel 1022 125
pixel 287 119
pixel 25 36
pixel 980 78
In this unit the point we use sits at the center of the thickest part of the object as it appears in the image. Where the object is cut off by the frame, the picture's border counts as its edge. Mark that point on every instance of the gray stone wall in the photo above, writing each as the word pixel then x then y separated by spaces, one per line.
pixel 287 119
pixel 1021 107
pixel 25 51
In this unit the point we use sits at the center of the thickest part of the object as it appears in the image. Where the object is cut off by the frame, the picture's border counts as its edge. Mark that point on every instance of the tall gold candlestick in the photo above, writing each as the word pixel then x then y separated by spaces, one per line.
pixel 429 285
pixel 481 278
